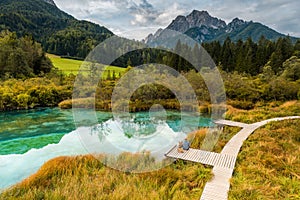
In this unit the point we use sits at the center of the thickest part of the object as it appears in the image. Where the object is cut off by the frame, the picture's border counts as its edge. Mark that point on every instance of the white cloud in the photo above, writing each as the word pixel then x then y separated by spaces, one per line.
pixel 139 19
pixel 127 15
pixel 166 16
pixel 283 16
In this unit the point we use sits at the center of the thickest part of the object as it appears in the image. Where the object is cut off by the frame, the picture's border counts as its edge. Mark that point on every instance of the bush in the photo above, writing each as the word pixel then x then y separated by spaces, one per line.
pixel 18 94
pixel 245 105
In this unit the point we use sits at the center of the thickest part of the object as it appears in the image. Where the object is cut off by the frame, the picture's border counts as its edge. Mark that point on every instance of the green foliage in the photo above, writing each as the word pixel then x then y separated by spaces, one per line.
pixel 21 58
pixel 61 34
pixel 242 90
pixel 30 93
pixel 249 57
pixel 291 69
pixel 253 30
pixel 281 90
pixel 58 32
pixel 245 105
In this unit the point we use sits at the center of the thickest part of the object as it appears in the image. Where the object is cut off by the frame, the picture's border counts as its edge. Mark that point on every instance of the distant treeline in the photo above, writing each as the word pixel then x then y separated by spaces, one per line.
pixel 250 57
pixel 241 56
pixel 252 73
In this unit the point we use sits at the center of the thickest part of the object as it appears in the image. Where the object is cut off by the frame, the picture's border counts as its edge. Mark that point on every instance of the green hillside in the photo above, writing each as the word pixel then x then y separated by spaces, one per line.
pixel 68 66
pixel 254 31
pixel 58 32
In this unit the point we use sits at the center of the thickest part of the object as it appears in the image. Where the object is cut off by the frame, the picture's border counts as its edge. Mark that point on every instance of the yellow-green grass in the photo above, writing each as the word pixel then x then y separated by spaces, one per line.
pixel 268 166
pixel 264 111
pixel 68 66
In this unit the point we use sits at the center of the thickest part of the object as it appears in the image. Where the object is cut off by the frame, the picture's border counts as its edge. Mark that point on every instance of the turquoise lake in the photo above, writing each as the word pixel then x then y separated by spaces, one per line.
pixel 30 138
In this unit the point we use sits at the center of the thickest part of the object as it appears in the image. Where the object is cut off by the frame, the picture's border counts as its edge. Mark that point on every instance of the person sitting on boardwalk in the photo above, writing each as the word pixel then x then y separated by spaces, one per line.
pixel 186 145
pixel 180 149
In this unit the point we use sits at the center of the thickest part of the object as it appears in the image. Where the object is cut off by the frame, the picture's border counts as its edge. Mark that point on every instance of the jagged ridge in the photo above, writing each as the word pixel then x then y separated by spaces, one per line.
pixel 201 26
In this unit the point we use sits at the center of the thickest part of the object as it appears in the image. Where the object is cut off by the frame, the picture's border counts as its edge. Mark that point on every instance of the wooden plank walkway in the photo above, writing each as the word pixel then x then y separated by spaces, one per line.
pixel 230 123
pixel 203 157
pixel 224 162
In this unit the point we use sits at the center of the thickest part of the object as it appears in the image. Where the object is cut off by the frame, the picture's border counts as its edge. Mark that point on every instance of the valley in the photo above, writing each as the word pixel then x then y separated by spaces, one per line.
pixel 88 114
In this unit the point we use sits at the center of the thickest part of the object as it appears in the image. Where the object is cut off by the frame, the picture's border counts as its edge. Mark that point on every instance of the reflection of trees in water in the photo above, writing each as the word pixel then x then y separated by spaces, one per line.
pixel 101 130
pixel 138 128
pixel 141 125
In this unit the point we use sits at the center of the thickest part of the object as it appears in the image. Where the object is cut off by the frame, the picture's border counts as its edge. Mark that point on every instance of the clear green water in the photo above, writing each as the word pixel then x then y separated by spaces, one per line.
pixel 30 138
pixel 21 131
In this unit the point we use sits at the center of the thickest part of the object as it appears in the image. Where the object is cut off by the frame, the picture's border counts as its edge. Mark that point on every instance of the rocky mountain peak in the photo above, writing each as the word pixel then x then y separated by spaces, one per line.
pixel 196 19
pixel 236 23
pixel 202 27
pixel 199 14
pixel 179 24
pixel 152 37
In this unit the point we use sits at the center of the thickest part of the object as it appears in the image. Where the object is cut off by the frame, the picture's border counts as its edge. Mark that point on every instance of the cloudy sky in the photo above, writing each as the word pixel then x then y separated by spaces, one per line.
pixel 137 18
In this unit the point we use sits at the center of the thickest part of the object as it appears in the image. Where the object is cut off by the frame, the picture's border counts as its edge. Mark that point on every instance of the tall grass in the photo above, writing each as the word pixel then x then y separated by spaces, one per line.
pixel 84 177
pixel 268 167
pixel 263 112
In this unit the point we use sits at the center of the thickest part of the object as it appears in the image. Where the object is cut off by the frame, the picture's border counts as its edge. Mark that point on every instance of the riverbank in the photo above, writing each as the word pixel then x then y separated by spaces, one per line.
pixel 136 106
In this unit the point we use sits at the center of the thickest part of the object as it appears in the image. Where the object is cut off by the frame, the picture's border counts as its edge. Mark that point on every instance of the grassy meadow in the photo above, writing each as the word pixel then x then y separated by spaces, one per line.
pixel 71 66
pixel 68 66
pixel 268 167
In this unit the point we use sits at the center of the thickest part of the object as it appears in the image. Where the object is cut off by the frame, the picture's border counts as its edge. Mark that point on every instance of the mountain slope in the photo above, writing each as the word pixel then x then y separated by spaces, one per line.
pixel 50 2
pixel 251 29
pixel 202 27
pixel 59 32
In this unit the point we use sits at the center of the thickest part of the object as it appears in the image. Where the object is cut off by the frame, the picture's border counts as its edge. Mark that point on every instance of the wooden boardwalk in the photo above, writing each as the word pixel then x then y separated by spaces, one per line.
pixel 224 162
pixel 203 157
pixel 230 123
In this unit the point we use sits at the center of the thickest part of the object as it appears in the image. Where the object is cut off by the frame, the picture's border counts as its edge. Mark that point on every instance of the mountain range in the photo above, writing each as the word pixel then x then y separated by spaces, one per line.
pixel 62 34
pixel 201 26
